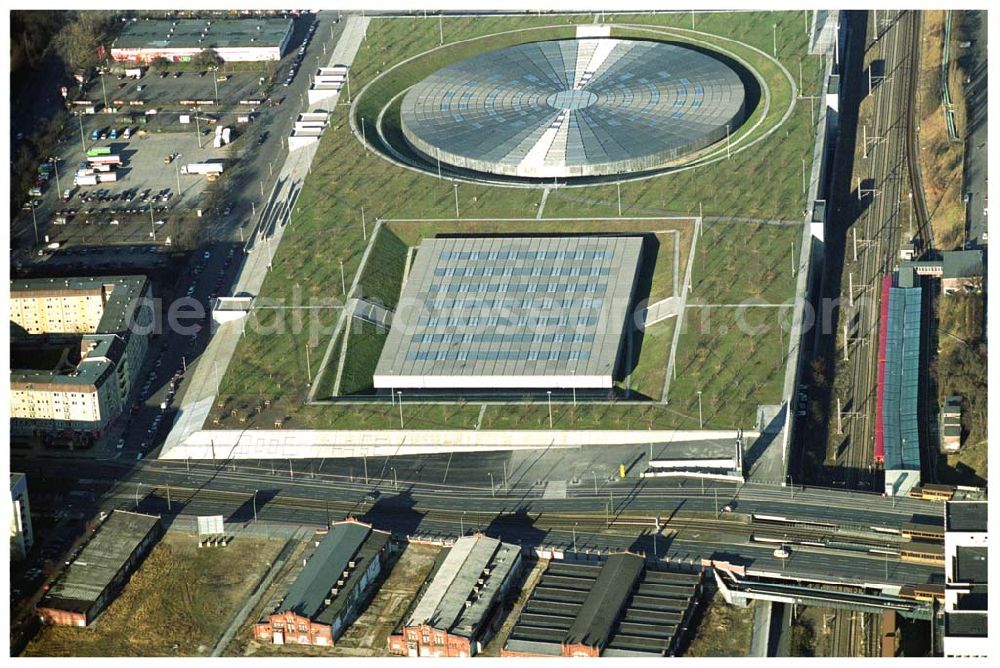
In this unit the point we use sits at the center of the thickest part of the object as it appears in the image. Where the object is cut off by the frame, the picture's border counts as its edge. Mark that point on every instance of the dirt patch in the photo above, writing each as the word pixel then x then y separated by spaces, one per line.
pixel 940 159
pixel 369 634
pixel 721 630
pixel 177 604
pixel 510 616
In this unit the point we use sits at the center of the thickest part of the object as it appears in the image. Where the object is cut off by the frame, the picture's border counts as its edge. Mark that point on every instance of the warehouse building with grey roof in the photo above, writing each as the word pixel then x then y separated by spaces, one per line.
pixel 102 568
pixel 332 589
pixel 617 608
pixel 512 312
pixel 180 40
pixel 456 611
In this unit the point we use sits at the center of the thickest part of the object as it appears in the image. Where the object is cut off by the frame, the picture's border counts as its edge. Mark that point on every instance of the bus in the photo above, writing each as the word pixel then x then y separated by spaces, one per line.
pixel 922 552
pixel 923 531
pixel 102 150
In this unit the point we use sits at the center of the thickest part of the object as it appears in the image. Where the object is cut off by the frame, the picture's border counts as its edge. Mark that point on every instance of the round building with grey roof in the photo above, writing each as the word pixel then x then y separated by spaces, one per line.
pixel 563 109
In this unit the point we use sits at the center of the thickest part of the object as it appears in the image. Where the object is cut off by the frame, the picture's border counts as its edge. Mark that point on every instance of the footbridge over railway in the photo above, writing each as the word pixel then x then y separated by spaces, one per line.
pixel 740 590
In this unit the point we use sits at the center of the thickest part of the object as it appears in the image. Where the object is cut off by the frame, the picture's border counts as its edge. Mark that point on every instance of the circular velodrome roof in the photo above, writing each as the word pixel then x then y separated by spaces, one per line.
pixel 573 108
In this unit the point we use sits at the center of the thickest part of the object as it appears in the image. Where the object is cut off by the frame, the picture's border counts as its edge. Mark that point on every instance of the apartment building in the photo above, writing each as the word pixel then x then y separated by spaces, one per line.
pixel 77 346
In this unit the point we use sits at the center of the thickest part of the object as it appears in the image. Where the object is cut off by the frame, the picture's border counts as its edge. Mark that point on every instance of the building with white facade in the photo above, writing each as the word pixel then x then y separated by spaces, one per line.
pixel 966 628
pixel 21 535
pixel 77 346
pixel 234 40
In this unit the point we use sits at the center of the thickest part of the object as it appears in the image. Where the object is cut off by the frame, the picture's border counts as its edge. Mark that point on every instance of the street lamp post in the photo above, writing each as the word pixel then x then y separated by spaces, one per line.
pixel 255 506
pixel 177 172
pixel 493 489
pixel 197 127
pixel 83 140
pixel 34 220
pixel 701 422
pixel 461 523
pixel 215 80
pixel 399 397
pixel 549 393
pixel 103 89
pixel 574 536
pixel 137 485
pixel 152 225
pixel 457 214
pixel 395 482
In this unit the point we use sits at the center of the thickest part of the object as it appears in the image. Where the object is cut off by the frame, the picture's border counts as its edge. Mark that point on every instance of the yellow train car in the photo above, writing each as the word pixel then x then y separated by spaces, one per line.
pixel 923 592
pixel 922 552
pixel 922 531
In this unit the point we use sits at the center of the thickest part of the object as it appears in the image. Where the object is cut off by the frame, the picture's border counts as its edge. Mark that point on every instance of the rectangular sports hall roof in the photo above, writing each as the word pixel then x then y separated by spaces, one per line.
pixel 512 312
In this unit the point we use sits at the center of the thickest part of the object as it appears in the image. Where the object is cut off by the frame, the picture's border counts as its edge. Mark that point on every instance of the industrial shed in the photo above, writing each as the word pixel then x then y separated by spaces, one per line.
pixel 456 612
pixel 512 312
pixel 102 568
pixel 618 608
pixel 331 590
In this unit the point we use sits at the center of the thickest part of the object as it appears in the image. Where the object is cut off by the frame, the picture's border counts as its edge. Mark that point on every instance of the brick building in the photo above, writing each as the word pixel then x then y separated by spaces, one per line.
pixel 457 611
pixel 333 588
pixel 101 570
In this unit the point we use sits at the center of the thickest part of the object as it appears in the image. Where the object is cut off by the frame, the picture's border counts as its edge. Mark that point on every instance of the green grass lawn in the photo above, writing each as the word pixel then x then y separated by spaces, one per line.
pixel 326 226
pixel 383 274
pixel 735 357
pixel 737 261
pixel 649 372
pixel 364 345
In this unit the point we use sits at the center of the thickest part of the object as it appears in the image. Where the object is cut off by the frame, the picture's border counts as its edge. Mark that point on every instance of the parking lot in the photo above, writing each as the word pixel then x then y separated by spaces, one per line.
pixel 150 199
pixel 116 212
pixel 171 88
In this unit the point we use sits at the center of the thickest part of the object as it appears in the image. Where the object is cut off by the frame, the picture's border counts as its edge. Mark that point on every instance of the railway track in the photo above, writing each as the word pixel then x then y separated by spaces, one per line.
pixel 768 534
pixel 885 155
